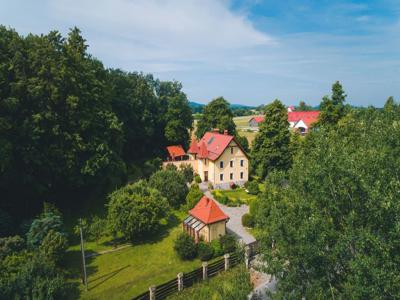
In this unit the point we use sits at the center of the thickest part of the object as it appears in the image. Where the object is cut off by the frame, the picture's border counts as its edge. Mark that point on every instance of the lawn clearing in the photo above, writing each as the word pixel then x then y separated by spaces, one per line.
pixel 130 271
pixel 236 196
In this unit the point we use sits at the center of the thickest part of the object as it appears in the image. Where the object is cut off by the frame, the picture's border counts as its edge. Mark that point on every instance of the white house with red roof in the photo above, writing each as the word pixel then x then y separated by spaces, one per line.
pixel 206 221
pixel 299 120
pixel 218 159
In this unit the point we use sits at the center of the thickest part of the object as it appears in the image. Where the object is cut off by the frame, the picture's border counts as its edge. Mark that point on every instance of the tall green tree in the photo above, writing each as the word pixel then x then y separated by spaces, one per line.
pixel 216 114
pixel 136 210
pixel 333 109
pixel 330 231
pixel 271 146
pixel 178 115
pixel 304 107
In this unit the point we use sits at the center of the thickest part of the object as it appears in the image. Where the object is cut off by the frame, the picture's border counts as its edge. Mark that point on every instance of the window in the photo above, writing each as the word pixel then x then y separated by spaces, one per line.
pixel 231 150
pixel 241 162
pixel 221 164
pixel 241 175
pixel 221 177
pixel 231 163
pixel 231 176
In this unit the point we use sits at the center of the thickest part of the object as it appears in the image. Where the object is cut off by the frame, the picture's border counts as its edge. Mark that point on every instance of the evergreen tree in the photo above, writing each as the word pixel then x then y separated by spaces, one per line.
pixel 216 114
pixel 333 109
pixel 271 146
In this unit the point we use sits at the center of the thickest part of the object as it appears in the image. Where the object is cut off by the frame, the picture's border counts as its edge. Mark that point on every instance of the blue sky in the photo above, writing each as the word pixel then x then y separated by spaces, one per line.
pixel 248 51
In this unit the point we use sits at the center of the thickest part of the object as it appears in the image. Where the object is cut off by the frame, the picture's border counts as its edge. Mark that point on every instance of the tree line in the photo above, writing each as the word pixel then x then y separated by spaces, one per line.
pixel 69 127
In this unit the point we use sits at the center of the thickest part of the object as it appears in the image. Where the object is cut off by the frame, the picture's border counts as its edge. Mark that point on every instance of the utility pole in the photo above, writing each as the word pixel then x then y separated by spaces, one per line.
pixel 83 256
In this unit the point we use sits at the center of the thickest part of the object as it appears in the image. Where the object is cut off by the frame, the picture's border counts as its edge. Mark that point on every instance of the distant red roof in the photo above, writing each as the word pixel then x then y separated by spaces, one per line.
pixel 308 117
pixel 258 119
pixel 207 211
pixel 175 151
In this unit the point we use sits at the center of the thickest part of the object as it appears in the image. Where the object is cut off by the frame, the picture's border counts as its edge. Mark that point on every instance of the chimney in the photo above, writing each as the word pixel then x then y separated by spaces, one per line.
pixel 225 132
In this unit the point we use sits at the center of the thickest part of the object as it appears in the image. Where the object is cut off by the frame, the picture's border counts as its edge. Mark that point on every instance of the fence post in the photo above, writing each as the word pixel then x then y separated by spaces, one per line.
pixel 152 292
pixel 226 256
pixel 180 281
pixel 205 267
pixel 247 251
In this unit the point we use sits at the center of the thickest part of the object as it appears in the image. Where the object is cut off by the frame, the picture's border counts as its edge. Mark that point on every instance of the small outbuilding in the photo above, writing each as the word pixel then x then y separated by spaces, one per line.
pixel 206 221
pixel 176 152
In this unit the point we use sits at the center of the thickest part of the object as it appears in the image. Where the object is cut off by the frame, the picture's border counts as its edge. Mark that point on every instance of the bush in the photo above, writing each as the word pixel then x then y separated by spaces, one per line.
pixel 197 179
pixel 136 210
pixel 217 248
pixel 185 246
pixel 54 245
pixel 228 243
pixel 247 220
pixel 232 185
pixel 253 187
pixel 193 196
pixel 210 186
pixel 41 226
pixel 97 228
pixel 11 244
pixel 205 251
pixel 187 172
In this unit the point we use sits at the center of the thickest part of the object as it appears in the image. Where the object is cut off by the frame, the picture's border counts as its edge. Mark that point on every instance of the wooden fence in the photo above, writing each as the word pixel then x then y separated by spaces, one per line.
pixel 185 280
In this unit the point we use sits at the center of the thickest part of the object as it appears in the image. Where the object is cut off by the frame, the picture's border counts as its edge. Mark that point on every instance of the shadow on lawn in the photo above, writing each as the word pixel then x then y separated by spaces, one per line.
pixel 163 232
pixel 104 278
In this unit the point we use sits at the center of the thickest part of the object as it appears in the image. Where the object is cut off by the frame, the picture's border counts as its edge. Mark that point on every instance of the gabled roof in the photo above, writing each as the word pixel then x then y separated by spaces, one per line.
pixel 176 151
pixel 194 148
pixel 203 152
pixel 207 211
pixel 216 143
pixel 258 119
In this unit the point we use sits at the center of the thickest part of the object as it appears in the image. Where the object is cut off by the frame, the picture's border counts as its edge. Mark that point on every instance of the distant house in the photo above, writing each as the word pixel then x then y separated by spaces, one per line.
pixel 255 121
pixel 206 221
pixel 176 153
pixel 298 120
pixel 217 158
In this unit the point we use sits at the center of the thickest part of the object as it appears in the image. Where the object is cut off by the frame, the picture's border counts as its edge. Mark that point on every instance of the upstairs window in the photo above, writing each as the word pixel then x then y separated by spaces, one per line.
pixel 231 150
pixel 241 162
pixel 231 163
pixel 221 164
pixel 241 175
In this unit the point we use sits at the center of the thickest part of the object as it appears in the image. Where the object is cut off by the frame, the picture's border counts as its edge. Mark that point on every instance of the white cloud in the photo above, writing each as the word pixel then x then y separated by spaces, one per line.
pixel 171 31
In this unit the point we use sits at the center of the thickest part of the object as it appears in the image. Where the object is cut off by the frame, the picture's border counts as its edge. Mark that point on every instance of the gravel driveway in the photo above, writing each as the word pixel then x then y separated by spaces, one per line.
pixel 234 224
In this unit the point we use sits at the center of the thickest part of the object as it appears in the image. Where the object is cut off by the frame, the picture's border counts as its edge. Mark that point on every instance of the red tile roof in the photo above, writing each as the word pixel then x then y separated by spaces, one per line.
pixel 308 117
pixel 216 143
pixel 194 148
pixel 175 151
pixel 207 211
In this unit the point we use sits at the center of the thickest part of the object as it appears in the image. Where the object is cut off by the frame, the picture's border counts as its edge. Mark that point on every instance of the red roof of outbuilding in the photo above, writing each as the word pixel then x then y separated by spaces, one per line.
pixel 207 211
pixel 308 117
pixel 176 151
pixel 258 119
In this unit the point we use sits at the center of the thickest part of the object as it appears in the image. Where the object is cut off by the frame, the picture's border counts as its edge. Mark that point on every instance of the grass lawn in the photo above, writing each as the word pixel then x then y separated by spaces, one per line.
pixel 128 272
pixel 238 195
pixel 250 135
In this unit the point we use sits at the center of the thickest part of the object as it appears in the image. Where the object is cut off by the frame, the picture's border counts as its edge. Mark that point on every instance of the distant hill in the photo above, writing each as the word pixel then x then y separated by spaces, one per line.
pixel 198 107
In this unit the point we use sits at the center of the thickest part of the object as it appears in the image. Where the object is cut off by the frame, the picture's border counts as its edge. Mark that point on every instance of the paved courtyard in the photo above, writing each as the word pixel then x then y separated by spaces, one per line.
pixel 234 224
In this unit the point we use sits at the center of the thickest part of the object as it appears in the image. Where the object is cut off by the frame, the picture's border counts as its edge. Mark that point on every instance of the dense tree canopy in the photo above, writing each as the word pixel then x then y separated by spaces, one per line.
pixel 69 127
pixel 333 223
pixel 271 146
pixel 216 114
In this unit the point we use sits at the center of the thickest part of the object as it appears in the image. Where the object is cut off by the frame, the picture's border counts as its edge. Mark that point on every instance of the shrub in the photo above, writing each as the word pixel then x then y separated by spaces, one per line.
pixel 253 187
pixel 217 248
pixel 205 251
pixel 232 185
pixel 185 246
pixel 223 199
pixel 248 220
pixel 41 226
pixel 193 196
pixel 197 179
pixel 228 243
pixel 187 172
pixel 210 186
pixel 54 245
pixel 136 210
pixel 11 244
pixel 97 228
